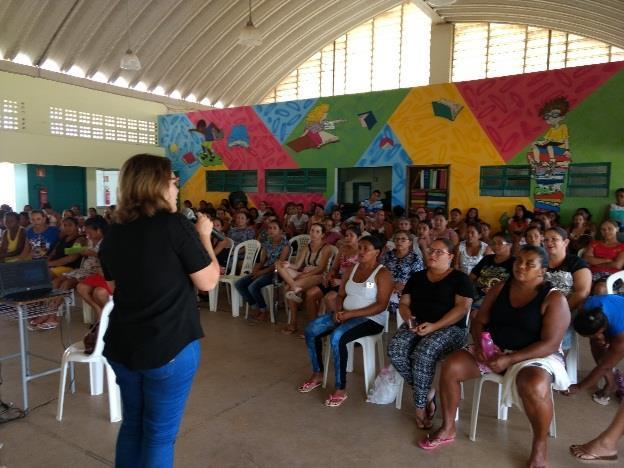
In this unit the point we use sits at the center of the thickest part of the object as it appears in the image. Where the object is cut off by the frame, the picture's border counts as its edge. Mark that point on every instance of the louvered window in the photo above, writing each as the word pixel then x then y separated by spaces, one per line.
pixel 387 52
pixel 485 50
pixel 11 115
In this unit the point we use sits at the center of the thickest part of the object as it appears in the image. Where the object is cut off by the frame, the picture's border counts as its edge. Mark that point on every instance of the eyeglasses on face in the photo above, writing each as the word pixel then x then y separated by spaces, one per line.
pixel 401 239
pixel 437 252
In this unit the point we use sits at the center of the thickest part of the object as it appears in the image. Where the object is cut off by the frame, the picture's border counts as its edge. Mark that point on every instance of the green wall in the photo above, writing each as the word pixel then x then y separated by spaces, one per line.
pixel 66 186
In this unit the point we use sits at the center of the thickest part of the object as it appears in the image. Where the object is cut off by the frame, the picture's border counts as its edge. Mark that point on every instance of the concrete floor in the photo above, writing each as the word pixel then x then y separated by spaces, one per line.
pixel 244 411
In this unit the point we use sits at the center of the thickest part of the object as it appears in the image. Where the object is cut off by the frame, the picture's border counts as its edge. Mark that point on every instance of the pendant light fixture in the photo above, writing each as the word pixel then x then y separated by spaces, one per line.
pixel 130 60
pixel 249 35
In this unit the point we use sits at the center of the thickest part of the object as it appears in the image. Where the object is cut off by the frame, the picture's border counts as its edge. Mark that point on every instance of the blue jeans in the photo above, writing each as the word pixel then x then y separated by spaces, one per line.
pixel 340 335
pixel 153 405
pixel 250 289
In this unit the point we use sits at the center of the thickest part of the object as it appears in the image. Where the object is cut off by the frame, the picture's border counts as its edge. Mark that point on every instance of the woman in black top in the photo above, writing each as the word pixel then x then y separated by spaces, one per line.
pixel 153 259
pixel 434 304
pixel 526 318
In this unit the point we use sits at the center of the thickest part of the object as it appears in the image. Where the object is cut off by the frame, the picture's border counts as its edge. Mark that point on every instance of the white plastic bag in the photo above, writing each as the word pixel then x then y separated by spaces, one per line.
pixel 386 386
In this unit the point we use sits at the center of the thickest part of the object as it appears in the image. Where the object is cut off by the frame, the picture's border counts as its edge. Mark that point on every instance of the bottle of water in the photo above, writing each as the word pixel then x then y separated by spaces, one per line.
pixel 487 345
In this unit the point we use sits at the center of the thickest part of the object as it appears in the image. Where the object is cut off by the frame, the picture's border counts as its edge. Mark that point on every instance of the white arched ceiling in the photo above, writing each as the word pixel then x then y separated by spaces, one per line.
pixel 191 46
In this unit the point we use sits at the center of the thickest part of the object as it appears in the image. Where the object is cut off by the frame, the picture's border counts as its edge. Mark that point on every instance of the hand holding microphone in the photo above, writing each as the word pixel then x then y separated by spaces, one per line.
pixel 205 227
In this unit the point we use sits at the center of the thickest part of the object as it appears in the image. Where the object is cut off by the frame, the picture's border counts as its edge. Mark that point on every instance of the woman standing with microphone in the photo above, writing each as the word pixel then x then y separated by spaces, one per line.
pixel 153 259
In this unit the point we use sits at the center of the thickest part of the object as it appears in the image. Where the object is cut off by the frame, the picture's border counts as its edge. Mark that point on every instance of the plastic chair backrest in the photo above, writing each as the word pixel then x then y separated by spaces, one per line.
pixel 104 319
pixel 301 240
pixel 612 279
pixel 229 259
pixel 252 249
pixel 332 256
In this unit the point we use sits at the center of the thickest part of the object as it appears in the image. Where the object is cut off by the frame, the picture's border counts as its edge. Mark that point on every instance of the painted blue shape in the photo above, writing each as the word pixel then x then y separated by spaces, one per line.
pixel 378 154
pixel 281 118
pixel 238 137
pixel 174 129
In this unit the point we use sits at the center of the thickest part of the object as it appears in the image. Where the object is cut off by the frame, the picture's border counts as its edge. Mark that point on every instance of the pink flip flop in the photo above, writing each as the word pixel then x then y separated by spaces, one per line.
pixel 431 444
pixel 308 386
pixel 334 401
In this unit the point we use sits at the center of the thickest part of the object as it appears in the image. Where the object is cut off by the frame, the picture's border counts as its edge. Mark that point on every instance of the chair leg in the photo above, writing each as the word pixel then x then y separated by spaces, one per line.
pixel 502 409
pixel 380 353
pixel 213 298
pixel 368 356
pixel 61 397
pixel 236 303
pixel 476 400
pixel 552 431
pixel 399 397
pixel 350 350
pixel 96 378
pixel 572 358
pixel 114 395
pixel 326 353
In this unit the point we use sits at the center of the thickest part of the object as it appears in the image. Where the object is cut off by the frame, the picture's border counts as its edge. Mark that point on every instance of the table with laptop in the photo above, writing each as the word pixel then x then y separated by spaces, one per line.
pixel 26 292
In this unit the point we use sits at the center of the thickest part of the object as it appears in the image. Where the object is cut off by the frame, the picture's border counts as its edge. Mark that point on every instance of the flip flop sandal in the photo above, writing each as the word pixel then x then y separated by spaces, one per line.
pixel 335 400
pixel 578 452
pixel 431 444
pixel 47 326
pixel 293 296
pixel 601 399
pixel 289 330
pixel 309 386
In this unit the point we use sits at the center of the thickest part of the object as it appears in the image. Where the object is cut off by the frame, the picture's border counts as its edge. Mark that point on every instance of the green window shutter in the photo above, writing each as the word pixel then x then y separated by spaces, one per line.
pixel 505 181
pixel 231 181
pixel 296 180
pixel 589 180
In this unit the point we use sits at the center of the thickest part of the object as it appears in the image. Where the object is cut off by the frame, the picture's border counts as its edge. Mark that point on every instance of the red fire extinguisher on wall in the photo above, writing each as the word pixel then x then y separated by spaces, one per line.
pixel 43 196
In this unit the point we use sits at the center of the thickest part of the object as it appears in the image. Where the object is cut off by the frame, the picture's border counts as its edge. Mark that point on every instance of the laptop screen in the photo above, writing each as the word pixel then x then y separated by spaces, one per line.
pixel 23 276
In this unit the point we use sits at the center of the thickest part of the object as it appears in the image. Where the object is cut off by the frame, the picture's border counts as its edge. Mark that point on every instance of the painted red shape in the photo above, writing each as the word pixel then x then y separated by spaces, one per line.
pixel 264 152
pixel 513 127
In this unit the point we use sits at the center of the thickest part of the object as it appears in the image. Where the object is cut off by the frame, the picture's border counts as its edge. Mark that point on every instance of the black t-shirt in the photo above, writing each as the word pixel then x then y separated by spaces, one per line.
pixel 155 314
pixel 430 301
pixel 562 276
pixel 488 272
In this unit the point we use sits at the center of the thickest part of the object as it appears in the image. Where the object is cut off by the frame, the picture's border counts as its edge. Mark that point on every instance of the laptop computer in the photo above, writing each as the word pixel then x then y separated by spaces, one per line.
pixel 23 281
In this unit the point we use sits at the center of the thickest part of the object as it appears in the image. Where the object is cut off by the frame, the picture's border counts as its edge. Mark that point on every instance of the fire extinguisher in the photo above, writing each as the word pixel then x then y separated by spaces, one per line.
pixel 43 196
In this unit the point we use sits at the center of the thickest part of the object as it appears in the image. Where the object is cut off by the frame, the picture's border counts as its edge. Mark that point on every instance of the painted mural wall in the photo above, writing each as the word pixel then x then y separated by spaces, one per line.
pixel 546 119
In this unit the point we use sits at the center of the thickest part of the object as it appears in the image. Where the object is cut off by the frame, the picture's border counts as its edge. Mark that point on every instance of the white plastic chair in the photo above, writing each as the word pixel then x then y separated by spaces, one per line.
pixel 75 353
pixel 572 358
pixel 252 249
pixel 612 279
pixel 213 294
pixel 502 409
pixel 301 240
pixel 399 397
pixel 368 344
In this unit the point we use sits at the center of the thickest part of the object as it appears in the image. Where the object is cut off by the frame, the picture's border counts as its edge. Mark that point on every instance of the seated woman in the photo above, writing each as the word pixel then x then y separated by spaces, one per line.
pixel 472 217
pixel 493 268
pixel 305 273
pixel 275 248
pixel 602 320
pixel 402 261
pixel 566 272
pixel 332 231
pixel 88 277
pixel 442 231
pixel 221 247
pixel 360 311
pixel 424 233
pixel 534 236
pixel 13 238
pixel 327 291
pixel 519 222
pixel 434 306
pixel 59 262
pixel 317 216
pixel 379 226
pixel 526 318
pixel 240 231
pixel 582 231
pixel 605 257
pixel 471 251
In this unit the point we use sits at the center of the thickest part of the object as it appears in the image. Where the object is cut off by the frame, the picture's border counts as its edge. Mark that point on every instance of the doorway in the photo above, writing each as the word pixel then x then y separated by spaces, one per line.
pixel 357 183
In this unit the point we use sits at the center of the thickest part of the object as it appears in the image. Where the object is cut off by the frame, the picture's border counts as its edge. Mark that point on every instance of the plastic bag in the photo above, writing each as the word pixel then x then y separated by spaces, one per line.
pixel 386 386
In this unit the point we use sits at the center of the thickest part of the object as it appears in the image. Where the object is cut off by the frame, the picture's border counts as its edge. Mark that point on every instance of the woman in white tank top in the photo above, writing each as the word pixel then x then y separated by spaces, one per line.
pixel 361 310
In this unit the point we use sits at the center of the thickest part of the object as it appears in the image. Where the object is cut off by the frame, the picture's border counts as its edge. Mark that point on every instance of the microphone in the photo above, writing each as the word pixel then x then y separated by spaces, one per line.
pixel 217 234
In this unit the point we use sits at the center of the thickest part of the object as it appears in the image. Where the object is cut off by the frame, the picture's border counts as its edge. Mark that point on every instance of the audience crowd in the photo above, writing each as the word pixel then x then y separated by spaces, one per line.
pixel 532 284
